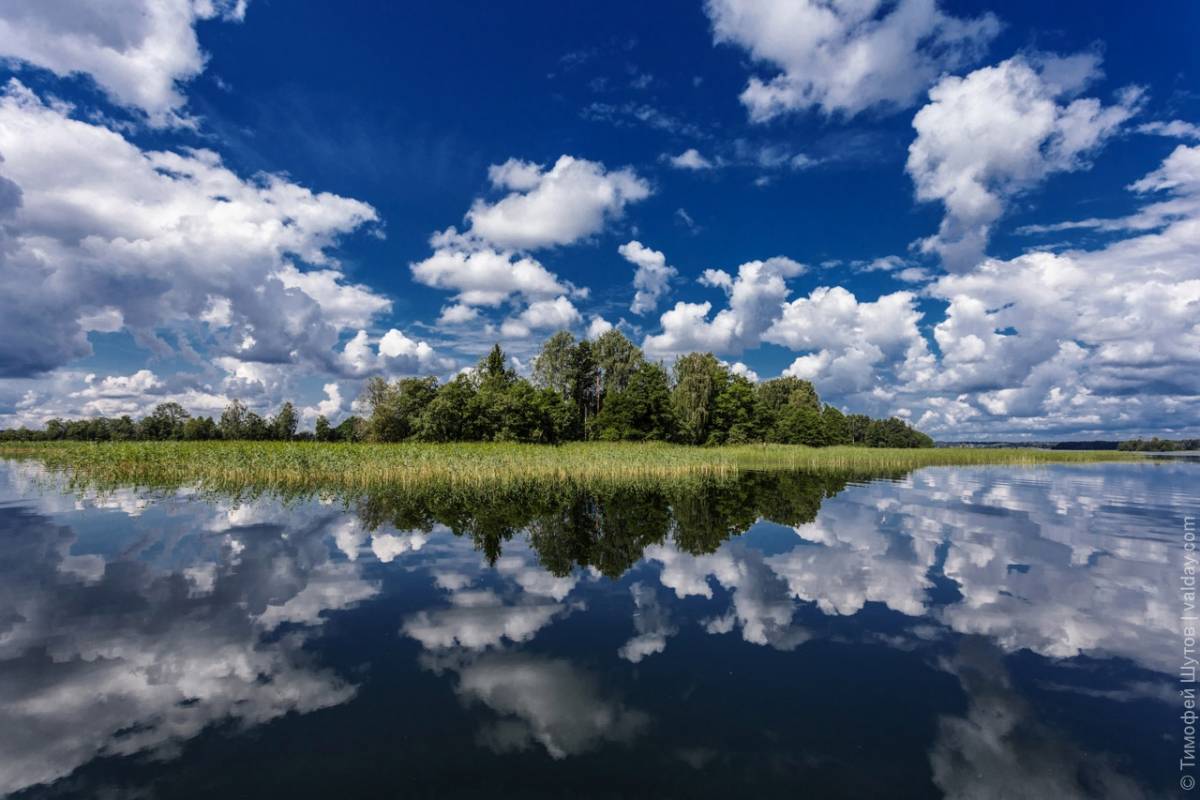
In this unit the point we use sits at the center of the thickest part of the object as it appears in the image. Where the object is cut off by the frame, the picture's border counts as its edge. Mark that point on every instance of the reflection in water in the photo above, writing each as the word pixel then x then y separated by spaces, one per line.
pixel 999 749
pixel 541 624
pixel 115 657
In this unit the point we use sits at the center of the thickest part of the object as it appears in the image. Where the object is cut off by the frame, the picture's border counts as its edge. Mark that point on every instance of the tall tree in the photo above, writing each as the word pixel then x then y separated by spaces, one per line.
pixel 552 368
pixel 283 426
pixel 837 429
pixel 779 392
pixel 699 378
pixel 738 414
pixel 641 411
pixel 617 358
pixel 585 385
pixel 233 420
pixel 165 422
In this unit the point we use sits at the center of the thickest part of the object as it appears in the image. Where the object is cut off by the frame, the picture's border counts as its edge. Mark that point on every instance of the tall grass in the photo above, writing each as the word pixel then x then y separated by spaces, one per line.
pixel 306 466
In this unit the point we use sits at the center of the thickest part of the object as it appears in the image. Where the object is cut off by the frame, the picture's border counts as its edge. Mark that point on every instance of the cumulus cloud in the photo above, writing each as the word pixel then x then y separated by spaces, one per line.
pixel 543 315
pixel 845 57
pixel 557 206
pixel 756 297
pixel 1099 340
pixel 393 353
pixel 482 276
pixel 96 228
pixel 137 51
pixel 652 278
pixel 598 327
pixel 488 264
pixel 847 343
pixel 999 131
pixel 690 159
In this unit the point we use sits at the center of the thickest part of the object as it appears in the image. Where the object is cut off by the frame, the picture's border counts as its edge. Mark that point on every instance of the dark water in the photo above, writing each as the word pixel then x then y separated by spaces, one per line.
pixel 990 633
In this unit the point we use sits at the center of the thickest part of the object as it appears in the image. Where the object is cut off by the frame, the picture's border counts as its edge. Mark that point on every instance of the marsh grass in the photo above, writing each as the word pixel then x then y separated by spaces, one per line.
pixel 306 467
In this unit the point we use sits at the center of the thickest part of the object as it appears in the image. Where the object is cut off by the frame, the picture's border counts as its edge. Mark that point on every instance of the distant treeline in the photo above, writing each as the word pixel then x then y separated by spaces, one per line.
pixel 1157 445
pixel 601 390
pixel 1096 444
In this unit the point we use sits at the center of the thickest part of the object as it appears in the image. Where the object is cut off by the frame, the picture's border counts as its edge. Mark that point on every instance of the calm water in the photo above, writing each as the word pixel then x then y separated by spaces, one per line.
pixel 992 632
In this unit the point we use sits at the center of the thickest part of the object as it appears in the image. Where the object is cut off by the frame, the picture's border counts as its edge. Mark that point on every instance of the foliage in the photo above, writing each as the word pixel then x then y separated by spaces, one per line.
pixel 603 390
pixel 1157 445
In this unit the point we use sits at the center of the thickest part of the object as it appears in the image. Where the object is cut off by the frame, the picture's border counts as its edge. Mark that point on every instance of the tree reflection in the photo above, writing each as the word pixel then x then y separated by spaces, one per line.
pixel 608 527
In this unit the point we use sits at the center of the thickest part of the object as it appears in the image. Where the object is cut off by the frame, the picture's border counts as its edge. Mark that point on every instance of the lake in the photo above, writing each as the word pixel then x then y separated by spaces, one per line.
pixel 954 632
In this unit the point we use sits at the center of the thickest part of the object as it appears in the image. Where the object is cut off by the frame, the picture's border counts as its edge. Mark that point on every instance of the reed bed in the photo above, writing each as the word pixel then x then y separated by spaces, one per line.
pixel 309 467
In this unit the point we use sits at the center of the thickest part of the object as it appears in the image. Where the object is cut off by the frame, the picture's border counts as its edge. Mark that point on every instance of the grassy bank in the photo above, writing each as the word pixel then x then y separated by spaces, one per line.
pixel 301 466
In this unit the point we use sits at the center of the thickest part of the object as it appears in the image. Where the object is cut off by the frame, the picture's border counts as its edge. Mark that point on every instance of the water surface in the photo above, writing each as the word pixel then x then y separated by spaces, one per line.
pixel 982 632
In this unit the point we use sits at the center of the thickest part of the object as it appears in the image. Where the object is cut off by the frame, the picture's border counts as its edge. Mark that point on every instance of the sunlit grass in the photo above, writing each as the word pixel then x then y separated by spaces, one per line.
pixel 307 466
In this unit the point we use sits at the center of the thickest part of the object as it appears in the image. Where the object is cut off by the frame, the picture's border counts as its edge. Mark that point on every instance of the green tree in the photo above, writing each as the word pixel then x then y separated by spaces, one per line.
pixel 350 430
pixel 585 386
pixel 738 414
pixel 552 368
pixel 699 379
pixel 618 359
pixel 641 411
pixel 200 429
pixel 798 424
pixel 233 421
pixel 779 392
pixel 837 429
pixel 165 422
pixel 256 429
pixel 858 424
pixel 322 431
pixel 283 426
pixel 450 415
pixel 493 370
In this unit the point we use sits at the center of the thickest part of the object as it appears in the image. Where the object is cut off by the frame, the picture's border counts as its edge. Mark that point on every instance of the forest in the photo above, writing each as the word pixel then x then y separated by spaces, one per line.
pixel 601 390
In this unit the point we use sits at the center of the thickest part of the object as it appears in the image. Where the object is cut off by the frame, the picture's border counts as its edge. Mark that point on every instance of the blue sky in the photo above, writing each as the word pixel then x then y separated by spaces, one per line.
pixel 981 218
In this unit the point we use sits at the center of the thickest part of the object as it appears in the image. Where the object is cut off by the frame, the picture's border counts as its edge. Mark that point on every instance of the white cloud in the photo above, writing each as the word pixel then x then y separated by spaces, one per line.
pixel 998 132
pixel 344 305
pixel 330 408
pixel 845 57
pixel 487 265
pixel 756 298
pixel 847 343
pixel 1175 129
pixel 557 314
pixel 137 51
pixel 484 277
pixel 652 278
pixel 598 327
pixel 738 368
pixel 457 314
pixel 690 159
pixel 394 354
pixel 95 227
pixel 570 201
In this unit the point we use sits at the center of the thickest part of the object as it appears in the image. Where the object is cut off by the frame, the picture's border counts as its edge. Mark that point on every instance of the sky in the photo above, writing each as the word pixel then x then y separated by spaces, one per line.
pixel 982 219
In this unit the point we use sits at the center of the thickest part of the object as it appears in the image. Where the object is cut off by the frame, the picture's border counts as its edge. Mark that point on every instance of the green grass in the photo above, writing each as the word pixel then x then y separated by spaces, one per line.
pixel 306 466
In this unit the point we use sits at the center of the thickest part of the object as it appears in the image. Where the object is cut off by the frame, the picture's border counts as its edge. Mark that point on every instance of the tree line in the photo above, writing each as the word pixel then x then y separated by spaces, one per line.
pixel 1157 445
pixel 171 421
pixel 607 390
pixel 603 389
